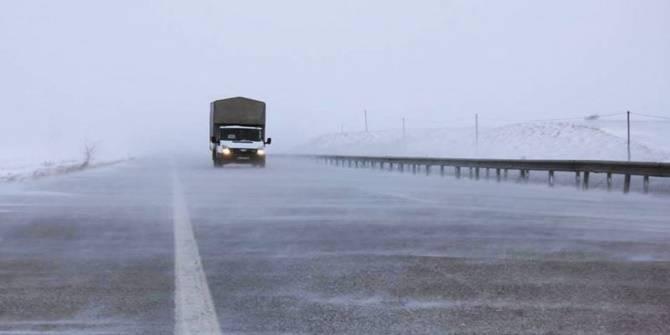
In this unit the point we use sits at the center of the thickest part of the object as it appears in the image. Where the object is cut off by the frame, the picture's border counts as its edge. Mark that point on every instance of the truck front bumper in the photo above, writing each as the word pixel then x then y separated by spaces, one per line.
pixel 250 156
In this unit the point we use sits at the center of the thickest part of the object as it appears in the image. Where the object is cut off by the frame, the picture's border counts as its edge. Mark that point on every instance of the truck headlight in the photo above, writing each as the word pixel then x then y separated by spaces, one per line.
pixel 225 151
pixel 260 152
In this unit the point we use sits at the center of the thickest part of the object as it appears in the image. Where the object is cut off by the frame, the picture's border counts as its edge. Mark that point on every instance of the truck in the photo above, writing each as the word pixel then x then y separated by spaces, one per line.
pixel 237 131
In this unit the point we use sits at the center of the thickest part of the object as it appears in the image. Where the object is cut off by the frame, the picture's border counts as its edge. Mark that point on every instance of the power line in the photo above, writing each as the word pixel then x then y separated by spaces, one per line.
pixel 653 116
pixel 462 124
pixel 611 114
pixel 567 118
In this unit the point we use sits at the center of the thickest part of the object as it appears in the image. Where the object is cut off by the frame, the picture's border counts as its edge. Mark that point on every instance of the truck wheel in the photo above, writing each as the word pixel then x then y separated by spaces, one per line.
pixel 215 160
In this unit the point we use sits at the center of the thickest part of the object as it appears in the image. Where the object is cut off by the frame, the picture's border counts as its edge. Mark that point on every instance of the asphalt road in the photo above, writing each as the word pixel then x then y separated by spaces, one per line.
pixel 159 246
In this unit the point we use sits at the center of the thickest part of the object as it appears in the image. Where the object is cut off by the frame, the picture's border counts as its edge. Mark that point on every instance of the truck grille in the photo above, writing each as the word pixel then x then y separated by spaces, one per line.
pixel 244 152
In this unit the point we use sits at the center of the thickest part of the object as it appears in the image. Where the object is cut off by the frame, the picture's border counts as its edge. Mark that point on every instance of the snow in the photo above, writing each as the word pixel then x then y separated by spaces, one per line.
pixel 21 164
pixel 588 140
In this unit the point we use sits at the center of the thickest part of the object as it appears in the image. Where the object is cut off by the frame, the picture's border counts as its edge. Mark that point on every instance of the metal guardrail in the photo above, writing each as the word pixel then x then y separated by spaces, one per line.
pixel 502 166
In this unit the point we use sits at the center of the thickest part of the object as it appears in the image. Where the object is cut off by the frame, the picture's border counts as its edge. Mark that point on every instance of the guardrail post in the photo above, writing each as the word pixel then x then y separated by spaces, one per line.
pixel 586 180
pixel 487 173
pixel 458 172
pixel 413 168
pixel 477 173
pixel 522 175
pixel 645 184
pixel 609 181
pixel 470 172
pixel 427 170
pixel 626 183
pixel 498 175
pixel 356 163
pixel 381 165
pixel 402 167
pixel 442 170
pixel 390 166
pixel 551 178
pixel 578 180
pixel 505 172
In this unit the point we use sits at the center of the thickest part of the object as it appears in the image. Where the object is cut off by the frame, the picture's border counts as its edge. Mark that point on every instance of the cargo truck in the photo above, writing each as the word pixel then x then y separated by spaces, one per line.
pixel 237 131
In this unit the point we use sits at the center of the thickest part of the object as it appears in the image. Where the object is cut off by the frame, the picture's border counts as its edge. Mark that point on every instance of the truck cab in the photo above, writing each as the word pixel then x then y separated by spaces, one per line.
pixel 241 144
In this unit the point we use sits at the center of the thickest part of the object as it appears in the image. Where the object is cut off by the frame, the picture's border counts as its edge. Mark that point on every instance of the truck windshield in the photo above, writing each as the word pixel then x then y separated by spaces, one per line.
pixel 240 134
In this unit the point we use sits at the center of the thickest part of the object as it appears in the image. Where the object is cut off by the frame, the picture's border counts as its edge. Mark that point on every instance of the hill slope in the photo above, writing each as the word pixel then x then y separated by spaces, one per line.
pixel 535 140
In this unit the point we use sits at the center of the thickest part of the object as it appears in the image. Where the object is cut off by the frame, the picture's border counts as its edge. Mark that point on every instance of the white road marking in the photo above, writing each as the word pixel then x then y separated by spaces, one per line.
pixel 194 309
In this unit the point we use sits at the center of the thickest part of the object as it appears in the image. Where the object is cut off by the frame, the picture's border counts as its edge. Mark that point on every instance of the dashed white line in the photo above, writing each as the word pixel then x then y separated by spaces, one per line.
pixel 194 309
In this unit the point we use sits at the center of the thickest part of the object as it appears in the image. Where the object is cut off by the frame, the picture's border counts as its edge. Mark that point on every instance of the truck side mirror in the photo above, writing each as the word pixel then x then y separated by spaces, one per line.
pixel 269 140
pixel 212 139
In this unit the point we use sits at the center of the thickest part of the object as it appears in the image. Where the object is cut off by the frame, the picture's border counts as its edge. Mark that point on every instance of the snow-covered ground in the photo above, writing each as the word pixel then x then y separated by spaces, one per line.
pixel 593 140
pixel 30 161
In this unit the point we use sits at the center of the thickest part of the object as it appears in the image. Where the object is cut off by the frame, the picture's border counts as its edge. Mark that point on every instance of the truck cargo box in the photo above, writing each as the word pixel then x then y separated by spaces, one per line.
pixel 236 111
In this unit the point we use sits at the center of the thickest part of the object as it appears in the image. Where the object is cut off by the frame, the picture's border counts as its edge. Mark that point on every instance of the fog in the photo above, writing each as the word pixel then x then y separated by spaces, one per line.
pixel 137 76
pixel 168 243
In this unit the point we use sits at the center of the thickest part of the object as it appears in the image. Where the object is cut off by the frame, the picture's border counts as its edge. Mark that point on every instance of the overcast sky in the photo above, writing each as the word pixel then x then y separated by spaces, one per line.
pixel 143 72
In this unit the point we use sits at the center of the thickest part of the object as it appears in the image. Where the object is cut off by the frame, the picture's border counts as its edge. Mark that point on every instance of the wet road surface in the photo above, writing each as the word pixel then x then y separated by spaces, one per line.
pixel 159 246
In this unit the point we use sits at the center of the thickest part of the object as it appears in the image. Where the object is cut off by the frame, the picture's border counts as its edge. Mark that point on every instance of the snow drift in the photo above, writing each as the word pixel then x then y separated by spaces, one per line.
pixel 22 165
pixel 534 140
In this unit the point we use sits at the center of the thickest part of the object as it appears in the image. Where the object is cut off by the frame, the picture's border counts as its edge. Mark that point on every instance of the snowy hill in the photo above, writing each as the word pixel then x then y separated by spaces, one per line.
pixel 534 140
pixel 31 161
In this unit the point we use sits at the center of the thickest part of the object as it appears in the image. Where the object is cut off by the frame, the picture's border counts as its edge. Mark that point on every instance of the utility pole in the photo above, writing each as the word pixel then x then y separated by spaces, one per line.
pixel 628 122
pixel 365 115
pixel 404 133
pixel 476 131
